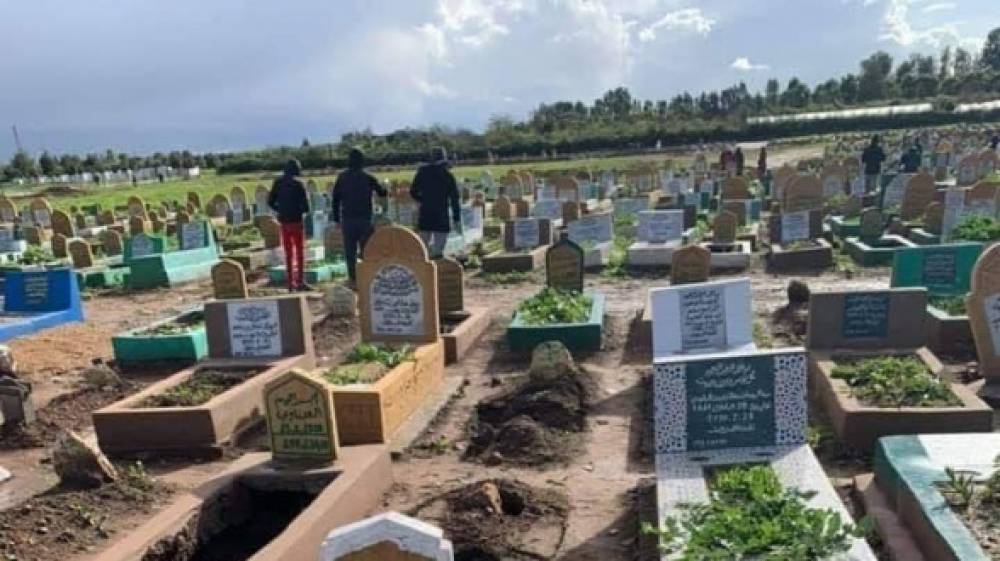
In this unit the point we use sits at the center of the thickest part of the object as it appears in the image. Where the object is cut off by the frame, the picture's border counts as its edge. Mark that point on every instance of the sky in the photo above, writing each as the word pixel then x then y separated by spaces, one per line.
pixel 148 75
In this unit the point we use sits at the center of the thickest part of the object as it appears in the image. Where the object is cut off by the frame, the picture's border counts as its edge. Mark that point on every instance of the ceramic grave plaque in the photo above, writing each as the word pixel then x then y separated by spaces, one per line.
pixel 254 328
pixel 919 193
pixel 983 307
pixel 300 419
pixel 451 285
pixel 724 228
pixel 873 319
pixel 387 537
pixel 550 209
pixel 593 228
pixel 397 288
pixel 526 234
pixel 943 269
pixel 703 317
pixel 564 266
pixel 798 226
pixel 736 400
pixel 690 264
pixel 193 235
pixel 229 281
pixel 141 245
pixel 660 226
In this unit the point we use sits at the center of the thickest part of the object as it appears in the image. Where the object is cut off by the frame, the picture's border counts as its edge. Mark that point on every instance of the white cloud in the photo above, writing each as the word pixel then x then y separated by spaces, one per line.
pixel 896 27
pixel 743 64
pixel 691 19
pixel 434 90
pixel 938 7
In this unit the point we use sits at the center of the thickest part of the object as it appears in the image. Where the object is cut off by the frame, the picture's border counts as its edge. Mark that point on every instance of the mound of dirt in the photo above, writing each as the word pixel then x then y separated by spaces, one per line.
pixel 540 421
pixel 499 519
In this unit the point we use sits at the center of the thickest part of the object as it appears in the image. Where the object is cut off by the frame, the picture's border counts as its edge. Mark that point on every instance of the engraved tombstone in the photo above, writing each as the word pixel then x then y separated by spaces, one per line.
pixel 724 228
pixel 690 264
pixel 919 193
pixel 229 281
pixel 803 193
pixel 300 420
pixel 397 286
pixel 983 308
pixel 81 254
pixel 564 266
pixel 451 285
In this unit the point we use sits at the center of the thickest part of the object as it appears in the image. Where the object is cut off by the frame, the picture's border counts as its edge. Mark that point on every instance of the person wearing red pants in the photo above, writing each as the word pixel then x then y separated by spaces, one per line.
pixel 289 201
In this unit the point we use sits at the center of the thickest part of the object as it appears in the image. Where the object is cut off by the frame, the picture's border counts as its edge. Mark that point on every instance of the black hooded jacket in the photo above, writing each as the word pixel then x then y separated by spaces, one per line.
pixel 288 196
pixel 434 187
pixel 352 194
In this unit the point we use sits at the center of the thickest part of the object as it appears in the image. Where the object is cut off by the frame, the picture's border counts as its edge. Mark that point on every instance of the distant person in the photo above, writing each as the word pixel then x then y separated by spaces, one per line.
pixel 911 159
pixel 740 161
pixel 288 199
pixel 872 158
pixel 435 190
pixel 725 158
pixel 352 208
pixel 994 142
pixel 762 162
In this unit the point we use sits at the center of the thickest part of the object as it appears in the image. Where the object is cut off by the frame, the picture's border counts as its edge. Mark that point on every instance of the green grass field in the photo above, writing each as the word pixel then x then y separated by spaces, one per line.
pixel 210 183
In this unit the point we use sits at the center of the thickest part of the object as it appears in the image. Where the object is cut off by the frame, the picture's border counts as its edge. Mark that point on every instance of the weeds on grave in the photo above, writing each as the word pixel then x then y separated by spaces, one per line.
pixel 354 370
pixel 615 268
pixel 761 337
pixel 200 388
pixel 844 264
pixel 750 515
pixel 552 305
pixel 977 229
pixel 951 305
pixel 895 382
pixel 35 255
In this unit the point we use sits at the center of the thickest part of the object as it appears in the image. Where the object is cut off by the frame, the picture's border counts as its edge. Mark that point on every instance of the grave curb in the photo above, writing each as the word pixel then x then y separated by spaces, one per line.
pixel 172 268
pixel 947 334
pixel 861 426
pixel 843 228
pixel 868 256
pixel 732 261
pixel 130 346
pixel 920 236
pixel 360 475
pixel 314 274
pixel 584 336
pixel 372 413
pixel 124 428
pixel 781 260
pixel 894 534
pixel 505 262
pixel 461 339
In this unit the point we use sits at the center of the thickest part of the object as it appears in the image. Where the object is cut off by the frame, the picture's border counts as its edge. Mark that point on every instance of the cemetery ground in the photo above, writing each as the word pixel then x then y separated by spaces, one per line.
pixel 566 494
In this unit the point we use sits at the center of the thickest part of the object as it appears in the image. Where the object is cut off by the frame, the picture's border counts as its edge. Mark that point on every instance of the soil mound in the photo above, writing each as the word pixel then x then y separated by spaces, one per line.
pixel 499 519
pixel 539 422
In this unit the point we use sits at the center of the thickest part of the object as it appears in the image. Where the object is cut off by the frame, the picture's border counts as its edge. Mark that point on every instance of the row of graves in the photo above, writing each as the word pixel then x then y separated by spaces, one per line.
pixel 330 428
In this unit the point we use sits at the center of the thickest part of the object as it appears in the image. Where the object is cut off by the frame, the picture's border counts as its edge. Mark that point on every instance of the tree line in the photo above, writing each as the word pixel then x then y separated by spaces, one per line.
pixel 618 120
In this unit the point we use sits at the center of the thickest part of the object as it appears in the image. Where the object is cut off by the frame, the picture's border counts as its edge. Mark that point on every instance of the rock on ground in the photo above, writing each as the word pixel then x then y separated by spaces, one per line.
pixel 81 463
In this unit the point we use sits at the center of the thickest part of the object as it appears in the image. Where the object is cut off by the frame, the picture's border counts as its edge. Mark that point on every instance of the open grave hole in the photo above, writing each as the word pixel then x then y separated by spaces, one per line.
pixel 238 520
pixel 500 519
pixel 540 421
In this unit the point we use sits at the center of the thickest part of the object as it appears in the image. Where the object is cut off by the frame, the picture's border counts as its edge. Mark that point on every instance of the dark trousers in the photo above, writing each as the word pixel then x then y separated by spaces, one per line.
pixel 356 234
pixel 293 240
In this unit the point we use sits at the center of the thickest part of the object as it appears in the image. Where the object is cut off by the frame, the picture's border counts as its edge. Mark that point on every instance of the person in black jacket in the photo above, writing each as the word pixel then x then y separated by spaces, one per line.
pixel 740 160
pixel 872 158
pixel 435 190
pixel 352 207
pixel 289 201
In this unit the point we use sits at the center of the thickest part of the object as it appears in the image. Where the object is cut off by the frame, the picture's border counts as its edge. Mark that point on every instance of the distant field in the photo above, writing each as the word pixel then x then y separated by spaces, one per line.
pixel 211 183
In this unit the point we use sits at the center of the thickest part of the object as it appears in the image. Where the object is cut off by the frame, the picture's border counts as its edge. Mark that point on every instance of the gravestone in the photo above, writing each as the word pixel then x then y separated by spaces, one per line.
pixel 229 281
pixel 871 224
pixel 136 207
pixel 259 328
pixel 802 193
pixel 387 537
pixel 193 235
pixel 333 241
pixel 80 219
pixel 934 218
pixel 526 233
pixel 968 170
pixel 550 209
pixel 81 254
pixel 8 212
pixel 690 264
pixel 874 319
pixel 136 226
pixel 919 193
pixel 41 212
pixel 193 199
pixel 112 242
pixel 943 269
pixel 983 308
pixel 724 228
pixel 451 285
pixel 300 420
pixel 218 206
pixel 570 211
pixel 660 226
pixel 701 318
pixel 341 301
pixel 502 208
pixel 763 405
pixel 521 209
pixel 260 195
pixel 61 224
pixel 789 227
pixel 833 180
pixel 397 289
pixel 238 199
pixel 564 265
pixel 735 188
pixel 270 231
pixel 183 217
pixel 58 245
pixel 593 228
pixel 738 209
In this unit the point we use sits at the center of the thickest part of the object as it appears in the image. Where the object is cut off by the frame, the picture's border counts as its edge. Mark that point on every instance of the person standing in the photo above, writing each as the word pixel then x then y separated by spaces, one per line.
pixel 289 201
pixel 762 163
pixel 911 160
pixel 740 160
pixel 872 158
pixel 352 208
pixel 435 190
pixel 994 142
